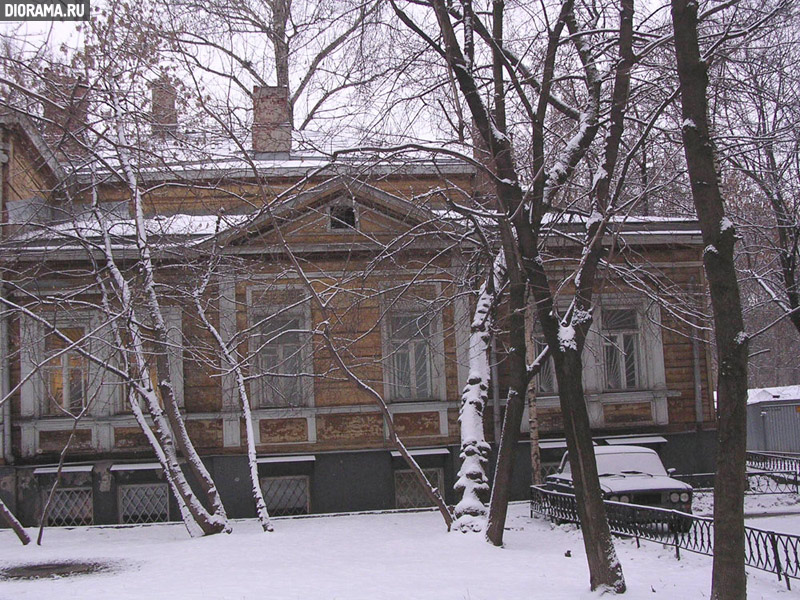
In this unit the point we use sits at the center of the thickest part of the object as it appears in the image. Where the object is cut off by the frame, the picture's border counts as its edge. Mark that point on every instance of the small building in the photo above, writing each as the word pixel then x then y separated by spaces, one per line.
pixel 773 419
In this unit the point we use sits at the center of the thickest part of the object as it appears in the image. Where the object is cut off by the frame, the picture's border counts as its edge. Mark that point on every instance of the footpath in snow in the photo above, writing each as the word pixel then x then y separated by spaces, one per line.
pixel 371 557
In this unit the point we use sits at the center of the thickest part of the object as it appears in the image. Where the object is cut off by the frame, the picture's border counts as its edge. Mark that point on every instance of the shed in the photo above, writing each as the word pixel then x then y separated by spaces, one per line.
pixel 773 419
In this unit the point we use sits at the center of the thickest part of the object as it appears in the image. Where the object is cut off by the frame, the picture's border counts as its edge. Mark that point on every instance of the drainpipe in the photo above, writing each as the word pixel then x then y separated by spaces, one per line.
pixel 698 386
pixel 5 381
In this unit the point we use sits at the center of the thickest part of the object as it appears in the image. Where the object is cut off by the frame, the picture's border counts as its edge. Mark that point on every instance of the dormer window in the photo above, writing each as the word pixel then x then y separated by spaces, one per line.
pixel 342 217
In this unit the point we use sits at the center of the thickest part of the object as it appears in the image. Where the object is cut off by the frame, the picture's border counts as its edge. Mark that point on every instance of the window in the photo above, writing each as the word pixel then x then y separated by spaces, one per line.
pixel 279 360
pixel 620 334
pixel 546 384
pixel 65 374
pixel 70 507
pixel 409 492
pixel 286 495
pixel 410 360
pixel 342 217
pixel 144 503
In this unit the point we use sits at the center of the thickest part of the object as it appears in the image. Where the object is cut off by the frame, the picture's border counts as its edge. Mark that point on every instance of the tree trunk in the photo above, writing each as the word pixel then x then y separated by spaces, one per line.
pixel 604 567
pixel 518 385
pixel 14 524
pixel 472 484
pixel 728 580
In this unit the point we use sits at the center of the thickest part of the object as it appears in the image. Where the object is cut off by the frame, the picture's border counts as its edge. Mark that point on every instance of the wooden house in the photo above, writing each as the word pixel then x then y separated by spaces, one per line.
pixel 370 240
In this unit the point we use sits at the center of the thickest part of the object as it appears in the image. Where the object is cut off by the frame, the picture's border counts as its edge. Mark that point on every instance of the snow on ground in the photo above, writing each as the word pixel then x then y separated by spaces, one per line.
pixel 754 505
pixel 772 512
pixel 372 556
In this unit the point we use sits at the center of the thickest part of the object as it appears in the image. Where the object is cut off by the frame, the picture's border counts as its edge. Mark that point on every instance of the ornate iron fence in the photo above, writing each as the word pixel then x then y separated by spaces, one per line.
pixel 770 461
pixel 758 482
pixel 765 550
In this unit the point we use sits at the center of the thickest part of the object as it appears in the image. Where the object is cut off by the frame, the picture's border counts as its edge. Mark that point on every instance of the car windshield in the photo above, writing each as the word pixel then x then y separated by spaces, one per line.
pixel 622 463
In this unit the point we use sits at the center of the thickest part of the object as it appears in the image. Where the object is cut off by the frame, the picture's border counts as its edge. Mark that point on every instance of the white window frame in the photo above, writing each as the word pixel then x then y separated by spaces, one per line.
pixel 614 341
pixel 651 371
pixel 258 313
pixel 103 390
pixel 60 361
pixel 173 319
pixel 539 345
pixel 402 307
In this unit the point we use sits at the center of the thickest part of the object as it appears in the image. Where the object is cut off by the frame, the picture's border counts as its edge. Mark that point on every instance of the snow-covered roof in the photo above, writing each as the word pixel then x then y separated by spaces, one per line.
pixel 215 156
pixel 773 394
pixel 178 229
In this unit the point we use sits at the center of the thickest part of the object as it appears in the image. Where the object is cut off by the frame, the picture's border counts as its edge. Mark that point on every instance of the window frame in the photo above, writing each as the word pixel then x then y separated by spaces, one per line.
pixel 173 319
pixel 408 472
pixel 60 491
pixel 607 343
pixel 403 307
pixel 539 345
pixel 103 391
pixel 63 407
pixel 271 509
pixel 346 227
pixel 122 487
pixel 257 316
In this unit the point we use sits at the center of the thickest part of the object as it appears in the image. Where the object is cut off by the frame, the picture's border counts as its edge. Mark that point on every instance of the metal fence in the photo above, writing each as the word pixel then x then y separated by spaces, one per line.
pixel 758 482
pixel 765 550
pixel 773 461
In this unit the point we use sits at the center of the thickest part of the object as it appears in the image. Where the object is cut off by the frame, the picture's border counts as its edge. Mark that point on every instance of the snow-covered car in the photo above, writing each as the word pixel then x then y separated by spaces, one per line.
pixel 630 474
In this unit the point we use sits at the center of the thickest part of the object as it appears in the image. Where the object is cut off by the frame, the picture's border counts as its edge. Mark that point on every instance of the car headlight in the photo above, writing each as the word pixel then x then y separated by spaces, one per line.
pixel 624 498
pixel 674 497
pixel 614 498
pixel 685 497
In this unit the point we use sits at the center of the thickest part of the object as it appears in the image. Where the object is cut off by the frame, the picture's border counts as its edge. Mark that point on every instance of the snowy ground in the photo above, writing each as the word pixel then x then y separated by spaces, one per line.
pixel 381 556
pixel 773 512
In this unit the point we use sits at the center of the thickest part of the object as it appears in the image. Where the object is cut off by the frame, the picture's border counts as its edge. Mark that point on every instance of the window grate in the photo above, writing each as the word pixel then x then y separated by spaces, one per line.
pixel 144 503
pixel 70 507
pixel 409 493
pixel 286 495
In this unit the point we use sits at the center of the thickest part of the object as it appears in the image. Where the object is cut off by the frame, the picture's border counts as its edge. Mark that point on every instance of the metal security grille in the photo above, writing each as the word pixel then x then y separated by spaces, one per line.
pixel 144 503
pixel 70 507
pixel 286 495
pixel 409 493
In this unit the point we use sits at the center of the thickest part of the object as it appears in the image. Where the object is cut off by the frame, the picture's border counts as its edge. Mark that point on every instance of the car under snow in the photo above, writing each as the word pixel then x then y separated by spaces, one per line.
pixel 630 474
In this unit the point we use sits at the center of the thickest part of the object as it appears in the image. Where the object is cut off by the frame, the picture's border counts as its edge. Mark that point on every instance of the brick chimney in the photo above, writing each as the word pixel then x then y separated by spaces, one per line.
pixel 272 120
pixel 66 114
pixel 164 111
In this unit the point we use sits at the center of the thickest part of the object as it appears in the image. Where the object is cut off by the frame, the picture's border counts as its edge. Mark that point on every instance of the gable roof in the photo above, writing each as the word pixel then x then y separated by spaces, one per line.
pixel 402 211
pixel 23 127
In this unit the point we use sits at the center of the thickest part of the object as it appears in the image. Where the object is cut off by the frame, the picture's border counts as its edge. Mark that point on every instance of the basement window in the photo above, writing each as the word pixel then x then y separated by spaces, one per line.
pixel 342 217
pixel 409 492
pixel 70 507
pixel 286 496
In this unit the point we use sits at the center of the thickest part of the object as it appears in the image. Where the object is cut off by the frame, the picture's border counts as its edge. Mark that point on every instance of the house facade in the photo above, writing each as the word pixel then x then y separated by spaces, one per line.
pixel 294 250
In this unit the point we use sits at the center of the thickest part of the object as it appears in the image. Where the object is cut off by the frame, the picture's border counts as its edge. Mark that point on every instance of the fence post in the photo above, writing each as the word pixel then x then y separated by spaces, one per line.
pixel 677 541
pixel 774 541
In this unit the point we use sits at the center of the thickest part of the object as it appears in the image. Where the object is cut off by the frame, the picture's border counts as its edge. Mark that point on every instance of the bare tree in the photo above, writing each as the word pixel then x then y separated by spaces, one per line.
pixel 729 580
pixel 756 91
pixel 526 191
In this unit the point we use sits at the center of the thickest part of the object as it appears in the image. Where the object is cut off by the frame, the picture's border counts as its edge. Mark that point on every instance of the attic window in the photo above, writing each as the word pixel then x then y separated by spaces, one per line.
pixel 343 217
